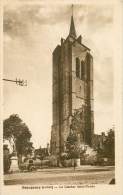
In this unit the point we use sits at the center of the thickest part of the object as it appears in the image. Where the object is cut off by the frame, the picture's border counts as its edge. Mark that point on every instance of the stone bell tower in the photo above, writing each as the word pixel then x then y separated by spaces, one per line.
pixel 72 90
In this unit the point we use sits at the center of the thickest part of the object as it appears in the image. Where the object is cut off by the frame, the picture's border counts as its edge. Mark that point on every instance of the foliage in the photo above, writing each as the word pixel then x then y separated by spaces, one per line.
pixel 18 133
pixel 73 141
pixel 24 147
pixel 76 123
pixel 108 149
pixel 72 146
pixel 41 153
pixel 109 145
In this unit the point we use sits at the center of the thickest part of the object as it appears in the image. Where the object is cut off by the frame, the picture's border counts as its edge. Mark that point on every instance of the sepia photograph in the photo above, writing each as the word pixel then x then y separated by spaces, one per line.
pixel 59 116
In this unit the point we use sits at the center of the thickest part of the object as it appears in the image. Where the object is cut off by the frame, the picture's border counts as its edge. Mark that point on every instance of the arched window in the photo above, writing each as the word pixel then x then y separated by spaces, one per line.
pixel 82 69
pixel 77 67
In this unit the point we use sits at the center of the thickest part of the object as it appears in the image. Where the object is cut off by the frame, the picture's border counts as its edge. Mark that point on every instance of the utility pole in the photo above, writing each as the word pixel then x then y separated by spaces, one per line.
pixel 17 81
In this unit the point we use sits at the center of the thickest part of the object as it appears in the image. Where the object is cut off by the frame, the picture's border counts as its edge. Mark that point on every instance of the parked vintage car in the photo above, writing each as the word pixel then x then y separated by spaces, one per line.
pixel 30 164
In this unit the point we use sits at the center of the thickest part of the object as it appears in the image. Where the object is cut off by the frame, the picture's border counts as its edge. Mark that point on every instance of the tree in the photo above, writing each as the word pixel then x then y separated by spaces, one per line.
pixel 73 139
pixel 109 145
pixel 77 123
pixel 41 153
pixel 17 132
pixel 72 145
pixel 108 149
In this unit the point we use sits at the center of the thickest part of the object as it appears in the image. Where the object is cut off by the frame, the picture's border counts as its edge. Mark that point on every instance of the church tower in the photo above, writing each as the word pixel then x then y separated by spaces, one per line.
pixel 72 91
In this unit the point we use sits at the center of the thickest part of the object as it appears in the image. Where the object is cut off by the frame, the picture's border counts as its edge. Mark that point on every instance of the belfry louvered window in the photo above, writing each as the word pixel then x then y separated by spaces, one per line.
pixel 82 69
pixel 77 67
pixel 88 58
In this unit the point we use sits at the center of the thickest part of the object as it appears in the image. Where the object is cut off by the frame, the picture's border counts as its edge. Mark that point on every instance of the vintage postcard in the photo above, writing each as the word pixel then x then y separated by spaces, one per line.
pixel 61 92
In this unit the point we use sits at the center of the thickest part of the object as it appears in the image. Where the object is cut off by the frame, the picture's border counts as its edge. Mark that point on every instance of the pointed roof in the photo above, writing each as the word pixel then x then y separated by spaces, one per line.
pixel 72 31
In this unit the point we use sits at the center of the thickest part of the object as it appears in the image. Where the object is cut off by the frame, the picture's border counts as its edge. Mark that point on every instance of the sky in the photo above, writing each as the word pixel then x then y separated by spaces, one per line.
pixel 31 33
